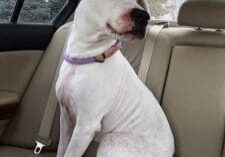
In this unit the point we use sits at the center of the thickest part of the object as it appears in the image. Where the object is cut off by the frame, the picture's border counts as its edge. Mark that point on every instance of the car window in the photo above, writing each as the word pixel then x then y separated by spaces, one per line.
pixel 6 10
pixel 34 11
pixel 165 9
pixel 40 11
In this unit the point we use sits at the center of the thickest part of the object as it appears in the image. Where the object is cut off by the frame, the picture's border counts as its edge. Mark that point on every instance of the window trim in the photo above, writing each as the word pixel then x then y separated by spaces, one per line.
pixel 16 11
pixel 65 13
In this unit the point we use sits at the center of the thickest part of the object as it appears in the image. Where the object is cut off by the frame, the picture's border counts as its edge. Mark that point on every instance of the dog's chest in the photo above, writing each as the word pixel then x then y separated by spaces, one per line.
pixel 90 87
pixel 64 91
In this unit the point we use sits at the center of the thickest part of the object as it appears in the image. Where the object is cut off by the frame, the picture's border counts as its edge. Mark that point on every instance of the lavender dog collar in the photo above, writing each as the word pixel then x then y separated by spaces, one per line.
pixel 89 60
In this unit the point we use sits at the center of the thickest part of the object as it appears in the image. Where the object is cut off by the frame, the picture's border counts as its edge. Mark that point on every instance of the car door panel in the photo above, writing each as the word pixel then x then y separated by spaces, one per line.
pixel 27 118
pixel 16 70
pixel 25 37
pixel 23 48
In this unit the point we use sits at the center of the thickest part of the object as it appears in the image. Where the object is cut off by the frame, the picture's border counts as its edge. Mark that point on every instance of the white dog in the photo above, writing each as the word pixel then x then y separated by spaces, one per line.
pixel 107 101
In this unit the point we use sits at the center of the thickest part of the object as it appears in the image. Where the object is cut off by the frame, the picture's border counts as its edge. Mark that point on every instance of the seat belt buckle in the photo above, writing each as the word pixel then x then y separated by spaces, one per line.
pixel 38 148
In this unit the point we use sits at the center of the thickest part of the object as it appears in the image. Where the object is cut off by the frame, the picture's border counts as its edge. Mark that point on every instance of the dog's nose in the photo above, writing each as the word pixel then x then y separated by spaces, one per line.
pixel 140 17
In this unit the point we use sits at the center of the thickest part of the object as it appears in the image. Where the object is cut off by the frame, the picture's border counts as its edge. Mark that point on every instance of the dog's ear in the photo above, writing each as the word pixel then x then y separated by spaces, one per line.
pixel 145 5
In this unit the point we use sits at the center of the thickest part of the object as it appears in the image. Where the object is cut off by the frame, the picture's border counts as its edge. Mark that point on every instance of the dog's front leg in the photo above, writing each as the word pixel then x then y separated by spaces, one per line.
pixel 82 136
pixel 66 131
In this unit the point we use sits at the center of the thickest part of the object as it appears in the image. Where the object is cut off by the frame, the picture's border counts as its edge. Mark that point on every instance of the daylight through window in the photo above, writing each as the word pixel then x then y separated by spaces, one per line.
pixel 165 9
pixel 6 10
pixel 40 11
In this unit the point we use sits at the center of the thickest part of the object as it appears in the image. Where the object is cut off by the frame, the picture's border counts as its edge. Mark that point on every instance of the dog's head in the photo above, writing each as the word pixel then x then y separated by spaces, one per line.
pixel 122 19
pixel 125 19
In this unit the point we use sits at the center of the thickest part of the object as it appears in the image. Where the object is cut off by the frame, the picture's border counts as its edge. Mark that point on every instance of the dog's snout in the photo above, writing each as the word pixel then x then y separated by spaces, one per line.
pixel 140 17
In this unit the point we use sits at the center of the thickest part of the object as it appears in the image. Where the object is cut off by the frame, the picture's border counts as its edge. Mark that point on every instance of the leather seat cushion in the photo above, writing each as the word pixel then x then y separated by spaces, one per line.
pixel 10 151
pixel 7 151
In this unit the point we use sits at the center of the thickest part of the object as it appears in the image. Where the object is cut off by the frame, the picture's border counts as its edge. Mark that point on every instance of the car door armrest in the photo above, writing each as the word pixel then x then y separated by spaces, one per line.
pixel 8 103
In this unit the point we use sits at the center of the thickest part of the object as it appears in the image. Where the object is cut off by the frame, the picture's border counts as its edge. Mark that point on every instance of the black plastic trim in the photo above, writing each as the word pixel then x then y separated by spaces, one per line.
pixel 25 37
pixel 16 12
pixel 65 13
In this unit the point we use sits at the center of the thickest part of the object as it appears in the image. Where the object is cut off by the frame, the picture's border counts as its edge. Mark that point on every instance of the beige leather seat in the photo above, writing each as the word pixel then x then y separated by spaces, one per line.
pixel 187 76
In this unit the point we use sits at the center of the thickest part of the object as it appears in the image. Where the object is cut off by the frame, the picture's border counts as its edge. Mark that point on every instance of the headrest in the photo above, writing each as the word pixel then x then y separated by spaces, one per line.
pixel 203 13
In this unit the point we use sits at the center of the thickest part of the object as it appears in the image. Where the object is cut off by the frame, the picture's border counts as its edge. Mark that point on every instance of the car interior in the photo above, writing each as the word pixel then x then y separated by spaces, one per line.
pixel 186 75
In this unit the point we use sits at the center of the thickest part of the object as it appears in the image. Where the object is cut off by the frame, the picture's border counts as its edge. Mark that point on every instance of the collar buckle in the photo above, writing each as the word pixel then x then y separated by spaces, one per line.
pixel 100 58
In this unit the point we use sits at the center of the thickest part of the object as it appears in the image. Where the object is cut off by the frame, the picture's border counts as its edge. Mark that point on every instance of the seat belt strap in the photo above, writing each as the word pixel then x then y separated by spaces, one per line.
pixel 152 35
pixel 43 139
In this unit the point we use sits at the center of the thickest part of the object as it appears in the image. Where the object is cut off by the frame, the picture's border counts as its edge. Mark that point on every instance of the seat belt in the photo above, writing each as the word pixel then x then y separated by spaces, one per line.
pixel 43 139
pixel 151 38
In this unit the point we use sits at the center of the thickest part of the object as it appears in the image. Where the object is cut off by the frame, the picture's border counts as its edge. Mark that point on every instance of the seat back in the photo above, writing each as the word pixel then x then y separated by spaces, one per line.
pixel 187 75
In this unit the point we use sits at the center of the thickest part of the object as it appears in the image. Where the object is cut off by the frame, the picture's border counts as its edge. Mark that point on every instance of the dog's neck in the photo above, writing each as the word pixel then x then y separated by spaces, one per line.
pixel 88 37
pixel 81 45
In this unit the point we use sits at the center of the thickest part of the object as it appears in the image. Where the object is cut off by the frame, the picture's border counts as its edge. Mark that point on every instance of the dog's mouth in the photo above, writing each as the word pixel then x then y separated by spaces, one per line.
pixel 136 32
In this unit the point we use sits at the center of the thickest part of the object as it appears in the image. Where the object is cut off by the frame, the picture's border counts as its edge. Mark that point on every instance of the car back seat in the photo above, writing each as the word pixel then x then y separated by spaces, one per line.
pixel 187 75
